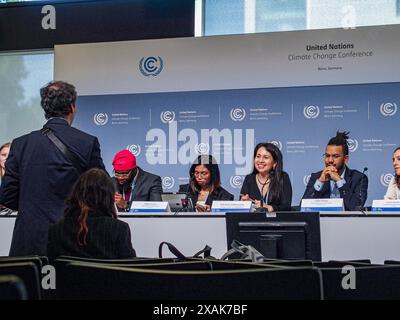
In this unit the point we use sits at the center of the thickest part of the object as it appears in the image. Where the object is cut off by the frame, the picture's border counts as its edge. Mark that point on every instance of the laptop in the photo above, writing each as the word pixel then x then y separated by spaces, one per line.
pixel 178 201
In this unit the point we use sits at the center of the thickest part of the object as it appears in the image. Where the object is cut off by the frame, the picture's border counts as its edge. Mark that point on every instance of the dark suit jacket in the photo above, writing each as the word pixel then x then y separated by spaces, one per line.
pixel 219 194
pixel 38 179
pixel 250 187
pixel 353 192
pixel 148 187
pixel 107 238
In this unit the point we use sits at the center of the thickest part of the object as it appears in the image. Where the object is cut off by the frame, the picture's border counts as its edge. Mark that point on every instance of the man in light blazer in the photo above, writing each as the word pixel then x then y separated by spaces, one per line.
pixel 133 183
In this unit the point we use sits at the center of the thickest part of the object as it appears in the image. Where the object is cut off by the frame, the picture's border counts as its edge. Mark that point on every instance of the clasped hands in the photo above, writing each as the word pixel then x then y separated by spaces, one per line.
pixel 329 173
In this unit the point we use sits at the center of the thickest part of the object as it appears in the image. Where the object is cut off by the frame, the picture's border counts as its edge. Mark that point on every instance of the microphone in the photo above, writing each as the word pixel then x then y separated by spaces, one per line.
pixel 362 208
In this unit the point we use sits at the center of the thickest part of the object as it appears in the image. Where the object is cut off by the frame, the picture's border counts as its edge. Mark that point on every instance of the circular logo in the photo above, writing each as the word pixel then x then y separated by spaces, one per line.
pixel 238 114
pixel 100 119
pixel 167 116
pixel 168 183
pixel 135 149
pixel 151 66
pixel 385 179
pixel 277 143
pixel 388 109
pixel 353 144
pixel 306 179
pixel 202 148
pixel 311 112
pixel 236 181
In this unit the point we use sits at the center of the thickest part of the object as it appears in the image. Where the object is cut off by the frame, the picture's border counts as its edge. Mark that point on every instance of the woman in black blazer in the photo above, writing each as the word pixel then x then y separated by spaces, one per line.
pixel 90 227
pixel 205 183
pixel 268 186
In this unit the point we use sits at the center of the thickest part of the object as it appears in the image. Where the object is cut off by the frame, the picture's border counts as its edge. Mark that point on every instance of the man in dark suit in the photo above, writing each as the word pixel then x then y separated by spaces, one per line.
pixel 133 183
pixel 39 176
pixel 337 180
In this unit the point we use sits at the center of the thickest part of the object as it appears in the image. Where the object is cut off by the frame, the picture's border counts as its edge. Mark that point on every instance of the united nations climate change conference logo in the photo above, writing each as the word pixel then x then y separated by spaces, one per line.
pixel 388 109
pixel 236 181
pixel 167 116
pixel 238 114
pixel 151 66
pixel 353 144
pixel 385 179
pixel 135 149
pixel 311 112
pixel 100 119
pixel 168 183
pixel 202 148
pixel 277 144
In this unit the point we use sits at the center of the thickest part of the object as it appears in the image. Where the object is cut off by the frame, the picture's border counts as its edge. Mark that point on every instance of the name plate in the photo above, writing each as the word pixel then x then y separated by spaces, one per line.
pixel 385 205
pixel 149 206
pixel 329 204
pixel 231 206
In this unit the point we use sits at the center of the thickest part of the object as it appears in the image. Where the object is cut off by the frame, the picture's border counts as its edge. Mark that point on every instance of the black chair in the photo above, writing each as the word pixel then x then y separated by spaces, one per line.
pixel 28 273
pixel 61 264
pixel 340 264
pixel 37 260
pixel 12 288
pixel 84 281
pixel 395 262
pixel 371 282
pixel 118 261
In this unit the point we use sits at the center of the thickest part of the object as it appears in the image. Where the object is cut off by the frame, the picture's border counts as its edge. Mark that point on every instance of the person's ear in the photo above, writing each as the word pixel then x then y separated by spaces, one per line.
pixel 72 108
pixel 346 159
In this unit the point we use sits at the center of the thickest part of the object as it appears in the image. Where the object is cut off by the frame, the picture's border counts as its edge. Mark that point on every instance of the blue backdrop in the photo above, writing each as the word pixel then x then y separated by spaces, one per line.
pixel 167 130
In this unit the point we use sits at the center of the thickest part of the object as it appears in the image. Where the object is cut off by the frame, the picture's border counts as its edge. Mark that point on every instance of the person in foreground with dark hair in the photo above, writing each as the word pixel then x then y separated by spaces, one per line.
pixel 39 176
pixel 337 180
pixel 205 184
pixel 90 227
pixel 268 186
pixel 393 191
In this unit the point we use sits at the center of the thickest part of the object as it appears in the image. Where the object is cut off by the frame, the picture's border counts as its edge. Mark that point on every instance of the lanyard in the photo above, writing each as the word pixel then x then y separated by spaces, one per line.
pixel 266 195
pixel 132 186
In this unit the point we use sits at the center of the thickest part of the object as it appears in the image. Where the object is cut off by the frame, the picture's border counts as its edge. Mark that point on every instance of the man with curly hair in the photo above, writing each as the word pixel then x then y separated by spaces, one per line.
pixel 40 174
pixel 337 180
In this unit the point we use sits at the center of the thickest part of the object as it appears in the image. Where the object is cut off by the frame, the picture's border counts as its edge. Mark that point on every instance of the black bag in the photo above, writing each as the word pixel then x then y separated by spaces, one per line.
pixel 206 251
pixel 244 251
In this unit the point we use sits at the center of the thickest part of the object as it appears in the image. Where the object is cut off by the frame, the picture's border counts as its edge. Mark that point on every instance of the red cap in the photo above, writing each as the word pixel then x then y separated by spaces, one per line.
pixel 124 161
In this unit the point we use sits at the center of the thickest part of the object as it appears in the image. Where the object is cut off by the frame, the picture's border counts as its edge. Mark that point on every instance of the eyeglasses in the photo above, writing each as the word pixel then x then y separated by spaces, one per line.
pixel 122 174
pixel 202 174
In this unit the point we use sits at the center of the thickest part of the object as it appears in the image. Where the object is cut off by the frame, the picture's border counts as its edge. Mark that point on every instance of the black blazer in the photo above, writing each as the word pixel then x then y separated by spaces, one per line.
pixel 250 187
pixel 38 179
pixel 107 238
pixel 353 192
pixel 218 194
pixel 148 187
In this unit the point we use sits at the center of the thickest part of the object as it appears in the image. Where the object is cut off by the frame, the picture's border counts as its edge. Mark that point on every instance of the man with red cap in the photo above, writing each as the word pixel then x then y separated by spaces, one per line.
pixel 132 182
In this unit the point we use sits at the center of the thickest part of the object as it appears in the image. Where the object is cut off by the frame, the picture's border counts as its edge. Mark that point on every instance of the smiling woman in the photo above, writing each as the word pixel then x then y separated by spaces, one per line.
pixel 268 186
pixel 393 190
